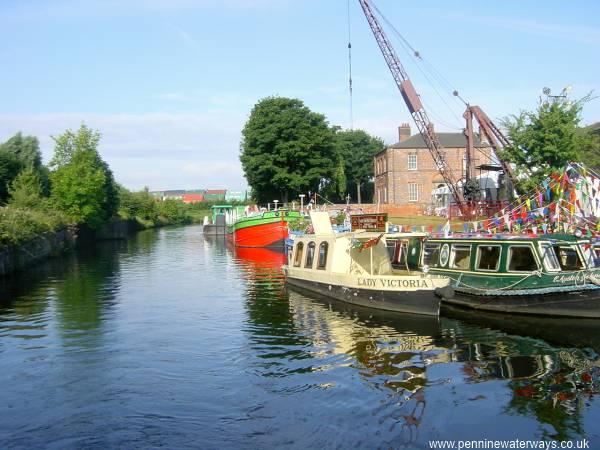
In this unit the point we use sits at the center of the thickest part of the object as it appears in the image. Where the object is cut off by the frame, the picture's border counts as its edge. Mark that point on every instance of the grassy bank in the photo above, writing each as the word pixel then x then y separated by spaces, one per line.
pixel 19 225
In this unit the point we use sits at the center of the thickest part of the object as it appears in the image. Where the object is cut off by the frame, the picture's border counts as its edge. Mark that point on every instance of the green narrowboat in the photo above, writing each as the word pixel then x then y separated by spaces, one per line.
pixel 552 275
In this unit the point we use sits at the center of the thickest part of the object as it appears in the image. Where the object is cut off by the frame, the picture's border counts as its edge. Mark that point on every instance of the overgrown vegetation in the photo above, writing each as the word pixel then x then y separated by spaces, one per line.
pixel 547 139
pixel 77 188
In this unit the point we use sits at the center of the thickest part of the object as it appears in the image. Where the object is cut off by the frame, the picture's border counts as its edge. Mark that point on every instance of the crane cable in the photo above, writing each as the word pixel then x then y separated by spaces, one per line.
pixel 418 58
pixel 350 70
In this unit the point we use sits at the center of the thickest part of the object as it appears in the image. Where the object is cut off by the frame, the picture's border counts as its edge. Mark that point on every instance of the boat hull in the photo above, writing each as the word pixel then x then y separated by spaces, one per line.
pixel 270 234
pixel 583 303
pixel 420 301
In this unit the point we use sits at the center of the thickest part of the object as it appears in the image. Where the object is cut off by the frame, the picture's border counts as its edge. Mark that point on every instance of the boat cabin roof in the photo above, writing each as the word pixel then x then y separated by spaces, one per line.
pixel 555 237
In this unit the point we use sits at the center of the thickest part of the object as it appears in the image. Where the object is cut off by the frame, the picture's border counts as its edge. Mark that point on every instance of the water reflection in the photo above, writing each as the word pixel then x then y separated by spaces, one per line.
pixel 549 376
pixel 171 339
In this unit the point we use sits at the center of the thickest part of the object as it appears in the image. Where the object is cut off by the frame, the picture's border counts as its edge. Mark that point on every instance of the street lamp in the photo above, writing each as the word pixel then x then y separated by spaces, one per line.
pixel 302 203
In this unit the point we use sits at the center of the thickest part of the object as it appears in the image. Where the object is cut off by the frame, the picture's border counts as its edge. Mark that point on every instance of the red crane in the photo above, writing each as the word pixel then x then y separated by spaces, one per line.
pixel 488 129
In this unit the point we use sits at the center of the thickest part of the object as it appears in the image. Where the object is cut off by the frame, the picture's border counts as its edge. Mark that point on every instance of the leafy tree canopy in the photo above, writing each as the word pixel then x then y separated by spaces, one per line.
pixel 17 153
pixel 25 148
pixel 287 150
pixel 26 190
pixel 82 183
pixel 546 139
pixel 357 149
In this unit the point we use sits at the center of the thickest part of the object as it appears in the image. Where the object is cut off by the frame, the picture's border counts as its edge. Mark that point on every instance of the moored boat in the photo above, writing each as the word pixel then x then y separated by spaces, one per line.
pixel 263 229
pixel 216 225
pixel 355 267
pixel 552 275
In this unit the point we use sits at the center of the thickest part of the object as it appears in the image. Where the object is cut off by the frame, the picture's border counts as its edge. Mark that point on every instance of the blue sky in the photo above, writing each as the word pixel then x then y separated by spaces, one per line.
pixel 170 83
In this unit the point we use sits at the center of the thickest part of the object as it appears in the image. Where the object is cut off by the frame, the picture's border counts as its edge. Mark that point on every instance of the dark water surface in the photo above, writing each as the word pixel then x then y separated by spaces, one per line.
pixel 172 340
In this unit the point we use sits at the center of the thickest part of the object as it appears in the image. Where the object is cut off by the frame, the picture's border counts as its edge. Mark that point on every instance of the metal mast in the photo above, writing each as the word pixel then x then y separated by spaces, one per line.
pixel 413 102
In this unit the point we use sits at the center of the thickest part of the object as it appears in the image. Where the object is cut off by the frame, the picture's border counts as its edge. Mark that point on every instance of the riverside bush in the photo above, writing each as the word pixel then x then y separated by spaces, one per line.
pixel 20 225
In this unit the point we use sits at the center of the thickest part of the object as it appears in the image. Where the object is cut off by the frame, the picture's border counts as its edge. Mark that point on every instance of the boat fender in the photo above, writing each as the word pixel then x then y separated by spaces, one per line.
pixel 446 292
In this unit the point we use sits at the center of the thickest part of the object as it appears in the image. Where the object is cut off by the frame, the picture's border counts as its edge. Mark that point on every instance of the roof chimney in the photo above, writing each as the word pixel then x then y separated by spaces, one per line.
pixel 403 132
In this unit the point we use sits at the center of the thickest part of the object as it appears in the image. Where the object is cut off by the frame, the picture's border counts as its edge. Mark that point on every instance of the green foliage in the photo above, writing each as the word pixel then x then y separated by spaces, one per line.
pixel 26 190
pixel 19 153
pixel 70 143
pixel 173 211
pixel 591 156
pixel 82 184
pixel 287 150
pixel 357 149
pixel 138 205
pixel 25 148
pixel 546 139
pixel 10 166
pixel 20 225
pixel 300 224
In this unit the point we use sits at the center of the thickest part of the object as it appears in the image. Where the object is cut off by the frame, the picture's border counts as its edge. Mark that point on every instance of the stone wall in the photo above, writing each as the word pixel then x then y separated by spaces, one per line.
pixel 18 257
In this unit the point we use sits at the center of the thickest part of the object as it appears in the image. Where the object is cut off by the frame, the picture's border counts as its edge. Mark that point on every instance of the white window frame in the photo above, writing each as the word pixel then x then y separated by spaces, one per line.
pixel 509 258
pixel 552 255
pixel 453 248
pixel 478 258
pixel 412 165
pixel 416 192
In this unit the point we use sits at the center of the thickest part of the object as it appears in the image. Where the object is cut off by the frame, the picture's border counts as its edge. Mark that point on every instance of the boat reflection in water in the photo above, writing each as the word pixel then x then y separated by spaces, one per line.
pixel 406 355
pixel 402 379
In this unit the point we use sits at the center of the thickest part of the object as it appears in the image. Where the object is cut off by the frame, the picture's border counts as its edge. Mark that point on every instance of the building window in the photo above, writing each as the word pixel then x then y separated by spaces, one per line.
pixel 412 162
pixel 413 192
pixel 385 194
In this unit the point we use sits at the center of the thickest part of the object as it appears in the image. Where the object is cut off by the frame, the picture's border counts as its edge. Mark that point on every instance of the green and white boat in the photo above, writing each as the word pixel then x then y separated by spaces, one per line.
pixel 552 275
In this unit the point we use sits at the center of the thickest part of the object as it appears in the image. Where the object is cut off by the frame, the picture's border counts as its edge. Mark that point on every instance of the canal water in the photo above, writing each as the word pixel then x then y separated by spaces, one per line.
pixel 173 340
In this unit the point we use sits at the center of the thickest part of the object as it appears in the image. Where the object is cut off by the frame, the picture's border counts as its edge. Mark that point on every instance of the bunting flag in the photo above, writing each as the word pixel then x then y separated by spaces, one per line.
pixel 370 243
pixel 567 201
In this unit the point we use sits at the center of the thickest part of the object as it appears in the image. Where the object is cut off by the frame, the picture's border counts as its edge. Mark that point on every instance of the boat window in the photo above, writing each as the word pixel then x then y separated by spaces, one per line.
pixel 460 256
pixel 549 258
pixel 431 255
pixel 310 255
pixel 568 257
pixel 488 257
pixel 298 254
pixel 521 259
pixel 323 247
pixel 588 254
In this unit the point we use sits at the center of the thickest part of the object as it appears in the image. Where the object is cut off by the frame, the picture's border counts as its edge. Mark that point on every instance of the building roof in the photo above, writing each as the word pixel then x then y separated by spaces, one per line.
pixel 448 140
pixel 216 191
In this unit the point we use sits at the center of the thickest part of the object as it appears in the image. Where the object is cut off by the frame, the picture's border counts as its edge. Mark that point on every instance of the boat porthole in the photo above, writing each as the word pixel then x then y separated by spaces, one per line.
pixel 444 254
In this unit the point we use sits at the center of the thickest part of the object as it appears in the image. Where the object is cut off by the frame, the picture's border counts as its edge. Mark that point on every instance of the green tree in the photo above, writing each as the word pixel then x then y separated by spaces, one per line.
pixel 26 190
pixel 591 156
pixel 25 148
pixel 546 139
pixel 10 166
pixel 141 205
pixel 287 150
pixel 357 149
pixel 82 183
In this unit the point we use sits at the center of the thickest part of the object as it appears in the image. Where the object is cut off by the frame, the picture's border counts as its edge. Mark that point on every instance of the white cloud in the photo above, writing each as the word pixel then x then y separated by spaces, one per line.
pixel 158 150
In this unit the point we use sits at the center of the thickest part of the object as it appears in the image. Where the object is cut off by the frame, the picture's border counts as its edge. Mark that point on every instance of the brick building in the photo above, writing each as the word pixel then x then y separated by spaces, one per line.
pixel 405 173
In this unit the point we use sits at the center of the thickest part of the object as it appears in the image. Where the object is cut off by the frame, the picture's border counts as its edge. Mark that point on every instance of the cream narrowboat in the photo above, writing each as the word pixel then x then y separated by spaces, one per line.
pixel 355 267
